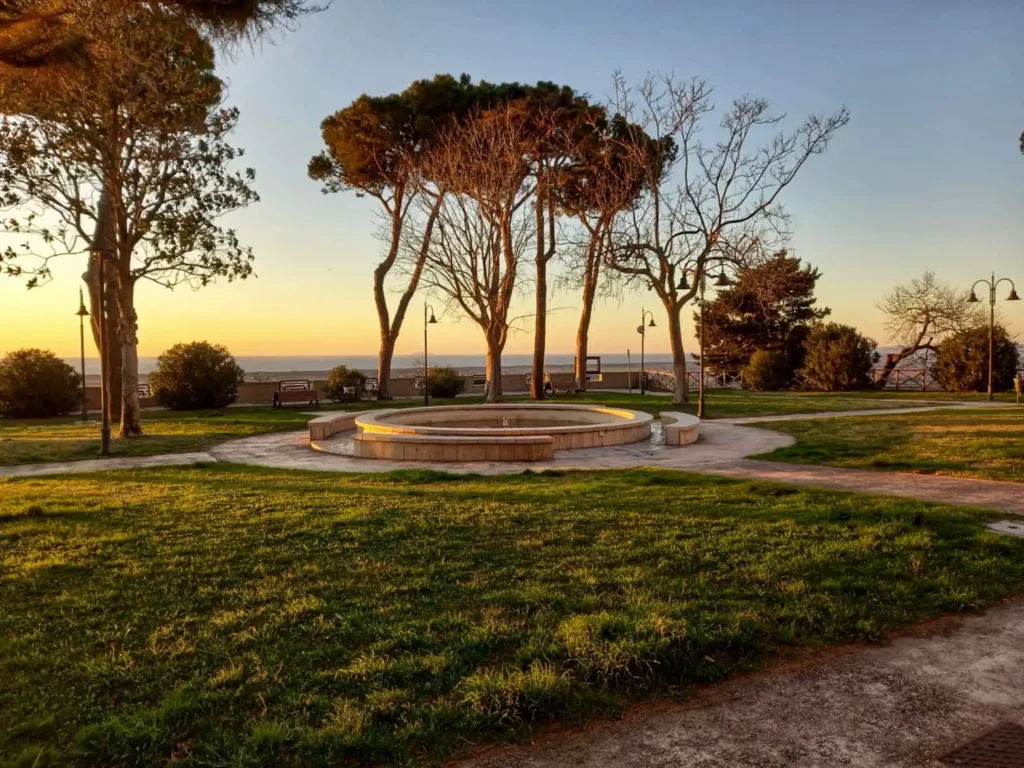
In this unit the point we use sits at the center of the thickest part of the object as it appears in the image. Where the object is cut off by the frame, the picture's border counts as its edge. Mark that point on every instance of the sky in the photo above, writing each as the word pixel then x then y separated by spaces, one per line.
pixel 926 176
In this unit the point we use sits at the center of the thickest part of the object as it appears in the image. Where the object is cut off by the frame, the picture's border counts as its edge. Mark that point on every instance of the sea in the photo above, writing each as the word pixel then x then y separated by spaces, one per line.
pixel 298 366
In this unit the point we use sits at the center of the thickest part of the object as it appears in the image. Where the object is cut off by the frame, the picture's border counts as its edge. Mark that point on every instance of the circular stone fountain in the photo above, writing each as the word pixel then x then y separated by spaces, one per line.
pixel 500 432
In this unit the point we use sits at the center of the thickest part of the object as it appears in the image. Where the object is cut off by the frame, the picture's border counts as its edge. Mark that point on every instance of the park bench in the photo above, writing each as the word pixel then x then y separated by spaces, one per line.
pixel 144 390
pixel 296 391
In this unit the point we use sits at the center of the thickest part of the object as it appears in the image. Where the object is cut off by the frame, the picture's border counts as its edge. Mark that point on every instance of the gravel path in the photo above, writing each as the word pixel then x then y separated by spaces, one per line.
pixel 903 705
pixel 992 494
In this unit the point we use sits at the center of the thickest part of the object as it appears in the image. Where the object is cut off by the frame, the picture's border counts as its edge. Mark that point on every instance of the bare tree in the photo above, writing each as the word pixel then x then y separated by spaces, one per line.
pixel 705 204
pixel 484 226
pixel 920 314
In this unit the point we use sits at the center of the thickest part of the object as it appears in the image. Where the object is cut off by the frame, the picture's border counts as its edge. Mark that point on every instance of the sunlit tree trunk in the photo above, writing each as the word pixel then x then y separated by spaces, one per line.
pixel 384 357
pixel 583 339
pixel 494 348
pixel 681 388
pixel 131 422
pixel 103 241
pixel 591 276
pixel 540 328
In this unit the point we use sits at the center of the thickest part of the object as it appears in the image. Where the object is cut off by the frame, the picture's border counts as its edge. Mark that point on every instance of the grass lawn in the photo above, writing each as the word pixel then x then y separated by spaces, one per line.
pixel 220 615
pixel 980 443
pixel 24 442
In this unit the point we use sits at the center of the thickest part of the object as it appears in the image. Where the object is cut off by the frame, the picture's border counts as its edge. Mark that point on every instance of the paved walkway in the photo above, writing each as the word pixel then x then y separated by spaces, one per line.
pixel 720 444
pixel 722 450
pixel 903 705
pixel 102 465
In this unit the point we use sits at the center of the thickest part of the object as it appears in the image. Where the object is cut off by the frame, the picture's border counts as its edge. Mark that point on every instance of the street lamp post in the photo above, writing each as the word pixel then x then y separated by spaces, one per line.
pixel 426 369
pixel 103 256
pixel 82 314
pixel 642 330
pixel 722 281
pixel 973 299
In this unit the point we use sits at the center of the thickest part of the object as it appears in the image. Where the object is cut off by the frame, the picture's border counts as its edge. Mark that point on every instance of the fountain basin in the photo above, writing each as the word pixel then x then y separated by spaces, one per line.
pixel 479 432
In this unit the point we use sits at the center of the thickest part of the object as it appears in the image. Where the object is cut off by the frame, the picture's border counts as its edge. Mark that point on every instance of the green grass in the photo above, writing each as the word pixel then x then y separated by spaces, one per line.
pixel 25 442
pixel 986 444
pixel 224 615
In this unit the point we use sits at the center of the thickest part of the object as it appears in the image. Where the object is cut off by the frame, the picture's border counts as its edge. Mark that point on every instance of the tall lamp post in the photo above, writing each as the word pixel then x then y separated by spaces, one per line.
pixel 642 330
pixel 426 369
pixel 973 299
pixel 103 256
pixel 722 281
pixel 82 314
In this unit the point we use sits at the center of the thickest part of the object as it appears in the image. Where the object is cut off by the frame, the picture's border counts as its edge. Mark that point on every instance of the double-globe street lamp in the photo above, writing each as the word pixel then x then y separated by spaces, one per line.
pixel 426 368
pixel 721 281
pixel 973 299
pixel 642 330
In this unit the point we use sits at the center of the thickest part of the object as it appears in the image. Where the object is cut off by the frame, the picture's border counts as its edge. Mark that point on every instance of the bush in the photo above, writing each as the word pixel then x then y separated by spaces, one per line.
pixel 342 377
pixel 767 371
pixel 36 384
pixel 194 376
pixel 444 382
pixel 837 358
pixel 961 364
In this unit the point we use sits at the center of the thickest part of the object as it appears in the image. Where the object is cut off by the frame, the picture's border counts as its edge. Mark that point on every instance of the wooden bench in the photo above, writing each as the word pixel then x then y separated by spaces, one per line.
pixel 296 391
pixel 680 428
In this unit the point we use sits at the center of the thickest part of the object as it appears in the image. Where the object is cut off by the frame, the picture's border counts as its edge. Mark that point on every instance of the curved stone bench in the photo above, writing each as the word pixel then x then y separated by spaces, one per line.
pixel 322 427
pixel 405 447
pixel 680 428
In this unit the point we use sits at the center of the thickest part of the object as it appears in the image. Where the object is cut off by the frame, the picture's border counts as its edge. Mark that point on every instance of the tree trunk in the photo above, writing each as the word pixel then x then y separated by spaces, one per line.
pixel 583 330
pixel 387 343
pixel 384 356
pixel 494 392
pixel 540 332
pixel 540 327
pixel 681 388
pixel 103 240
pixel 131 423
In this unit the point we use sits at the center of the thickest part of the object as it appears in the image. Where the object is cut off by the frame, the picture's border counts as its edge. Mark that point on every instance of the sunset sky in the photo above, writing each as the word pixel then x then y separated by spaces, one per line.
pixel 927 175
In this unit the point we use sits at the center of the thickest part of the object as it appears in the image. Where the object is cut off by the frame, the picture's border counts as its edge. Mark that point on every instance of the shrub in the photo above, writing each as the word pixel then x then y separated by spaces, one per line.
pixel 444 382
pixel 36 384
pixel 768 370
pixel 837 357
pixel 342 377
pixel 196 375
pixel 961 364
